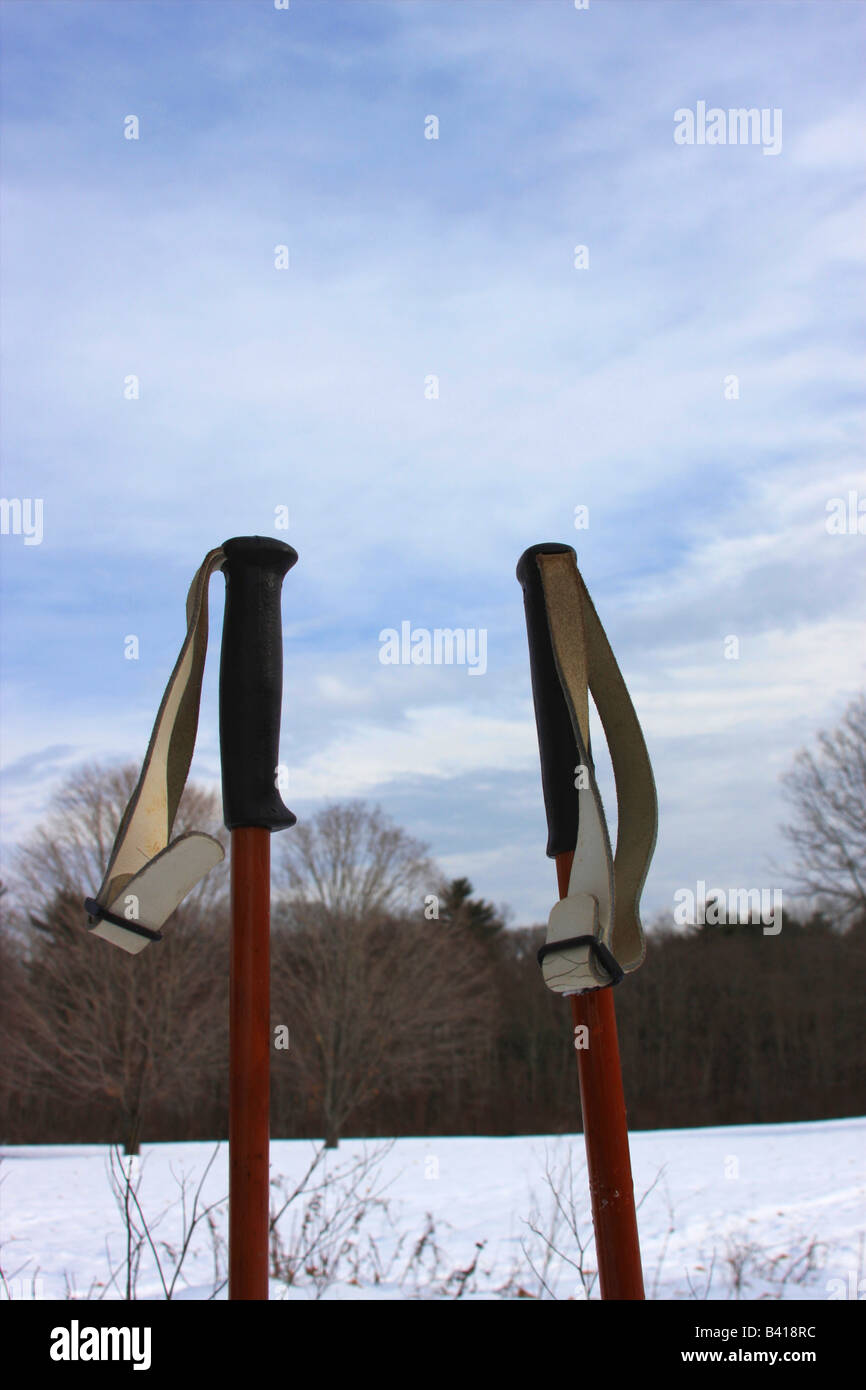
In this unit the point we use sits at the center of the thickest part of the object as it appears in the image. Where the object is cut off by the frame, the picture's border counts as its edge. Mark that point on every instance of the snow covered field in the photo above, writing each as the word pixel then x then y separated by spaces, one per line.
pixel 770 1211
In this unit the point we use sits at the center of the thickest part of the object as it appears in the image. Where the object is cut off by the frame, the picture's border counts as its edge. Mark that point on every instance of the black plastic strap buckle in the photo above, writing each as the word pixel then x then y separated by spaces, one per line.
pixel 95 909
pixel 598 948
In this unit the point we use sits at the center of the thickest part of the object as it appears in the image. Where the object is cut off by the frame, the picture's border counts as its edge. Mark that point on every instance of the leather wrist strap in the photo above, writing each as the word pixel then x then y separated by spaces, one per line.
pixel 604 889
pixel 147 877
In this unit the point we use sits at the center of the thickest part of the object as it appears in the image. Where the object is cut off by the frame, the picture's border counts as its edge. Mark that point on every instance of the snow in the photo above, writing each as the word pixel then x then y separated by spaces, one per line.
pixel 753 1211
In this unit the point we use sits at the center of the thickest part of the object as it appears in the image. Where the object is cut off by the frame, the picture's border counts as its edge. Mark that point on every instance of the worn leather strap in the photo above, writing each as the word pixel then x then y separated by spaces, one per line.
pixel 604 889
pixel 147 877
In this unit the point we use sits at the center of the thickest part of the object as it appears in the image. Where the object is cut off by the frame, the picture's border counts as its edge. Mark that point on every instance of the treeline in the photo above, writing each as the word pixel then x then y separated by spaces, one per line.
pixel 400 1004
pixel 418 1027
pixel 721 1025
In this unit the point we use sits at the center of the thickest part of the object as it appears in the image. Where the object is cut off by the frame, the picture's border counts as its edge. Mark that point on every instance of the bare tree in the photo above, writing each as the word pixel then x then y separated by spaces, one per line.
pixel 93 1024
pixel 353 861
pixel 12 979
pixel 376 1007
pixel 68 852
pixel 377 999
pixel 97 1026
pixel 827 791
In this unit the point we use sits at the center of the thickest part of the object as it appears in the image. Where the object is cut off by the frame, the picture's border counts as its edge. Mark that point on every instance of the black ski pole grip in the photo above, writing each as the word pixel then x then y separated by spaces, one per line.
pixel 556 742
pixel 251 682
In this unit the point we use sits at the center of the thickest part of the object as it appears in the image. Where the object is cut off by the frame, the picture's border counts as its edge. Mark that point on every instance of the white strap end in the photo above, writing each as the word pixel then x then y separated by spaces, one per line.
pixel 150 897
pixel 573 970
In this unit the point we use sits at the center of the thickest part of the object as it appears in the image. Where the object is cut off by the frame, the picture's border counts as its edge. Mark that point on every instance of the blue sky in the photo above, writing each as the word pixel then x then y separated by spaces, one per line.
pixel 558 387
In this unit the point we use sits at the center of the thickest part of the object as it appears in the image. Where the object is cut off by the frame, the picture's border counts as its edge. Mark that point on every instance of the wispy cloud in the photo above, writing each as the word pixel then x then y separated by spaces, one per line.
pixel 558 387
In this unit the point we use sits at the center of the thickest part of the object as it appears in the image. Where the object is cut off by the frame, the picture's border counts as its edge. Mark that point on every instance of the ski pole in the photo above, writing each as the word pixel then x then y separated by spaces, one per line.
pixel 148 874
pixel 605 1135
pixel 251 682
pixel 594 935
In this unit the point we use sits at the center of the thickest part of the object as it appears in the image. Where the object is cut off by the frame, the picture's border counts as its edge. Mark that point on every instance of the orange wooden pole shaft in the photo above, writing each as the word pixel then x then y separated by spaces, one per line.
pixel 606 1136
pixel 249 1067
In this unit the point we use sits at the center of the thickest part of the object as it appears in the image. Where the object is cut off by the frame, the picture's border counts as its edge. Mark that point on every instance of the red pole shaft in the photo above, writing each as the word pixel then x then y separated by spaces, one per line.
pixel 249 1064
pixel 606 1136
